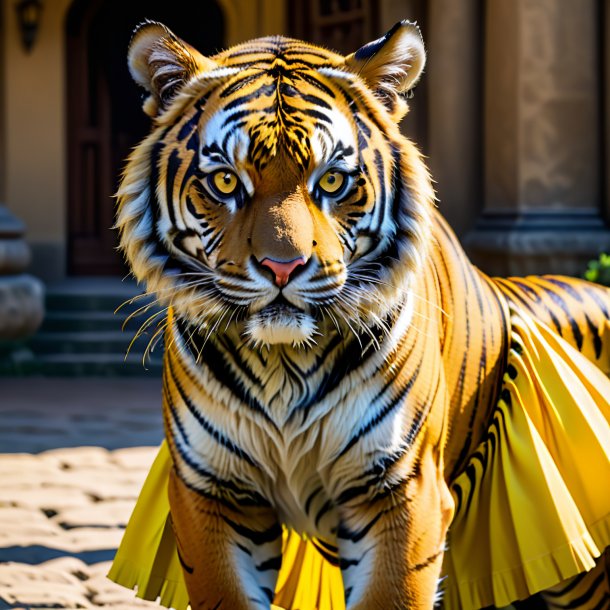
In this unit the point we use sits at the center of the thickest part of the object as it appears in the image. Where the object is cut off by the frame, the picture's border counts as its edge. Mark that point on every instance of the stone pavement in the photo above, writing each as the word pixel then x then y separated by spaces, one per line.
pixel 73 456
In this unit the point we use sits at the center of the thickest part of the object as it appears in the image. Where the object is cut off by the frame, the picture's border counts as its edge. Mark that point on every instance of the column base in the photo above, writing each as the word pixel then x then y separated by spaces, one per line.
pixel 562 242
pixel 21 306
pixel 21 295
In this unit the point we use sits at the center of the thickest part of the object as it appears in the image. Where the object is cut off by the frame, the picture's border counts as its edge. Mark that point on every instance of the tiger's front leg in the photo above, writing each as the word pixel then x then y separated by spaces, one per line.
pixel 230 557
pixel 391 549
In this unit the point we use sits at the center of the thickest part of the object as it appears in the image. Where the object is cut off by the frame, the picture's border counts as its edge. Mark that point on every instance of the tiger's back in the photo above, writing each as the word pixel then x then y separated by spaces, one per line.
pixel 577 310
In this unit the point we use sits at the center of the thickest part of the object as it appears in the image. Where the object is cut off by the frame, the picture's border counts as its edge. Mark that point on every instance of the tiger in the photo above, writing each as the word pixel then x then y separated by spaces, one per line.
pixel 355 416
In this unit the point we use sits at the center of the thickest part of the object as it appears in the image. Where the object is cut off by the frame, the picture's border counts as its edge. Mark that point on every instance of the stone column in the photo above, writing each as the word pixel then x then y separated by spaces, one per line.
pixel 21 295
pixel 453 77
pixel 543 196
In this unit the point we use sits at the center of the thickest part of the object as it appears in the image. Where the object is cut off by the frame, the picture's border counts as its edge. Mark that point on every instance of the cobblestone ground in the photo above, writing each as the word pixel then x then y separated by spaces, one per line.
pixel 73 456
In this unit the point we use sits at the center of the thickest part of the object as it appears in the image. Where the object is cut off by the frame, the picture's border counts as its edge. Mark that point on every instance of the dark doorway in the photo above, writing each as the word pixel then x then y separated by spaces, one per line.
pixel 341 25
pixel 105 119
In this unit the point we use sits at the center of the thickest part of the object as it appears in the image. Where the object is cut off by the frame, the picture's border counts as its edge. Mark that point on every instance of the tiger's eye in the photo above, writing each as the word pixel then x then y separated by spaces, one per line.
pixel 331 182
pixel 224 181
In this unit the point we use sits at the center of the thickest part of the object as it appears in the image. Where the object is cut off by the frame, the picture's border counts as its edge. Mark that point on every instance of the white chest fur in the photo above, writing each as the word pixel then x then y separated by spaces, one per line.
pixel 281 446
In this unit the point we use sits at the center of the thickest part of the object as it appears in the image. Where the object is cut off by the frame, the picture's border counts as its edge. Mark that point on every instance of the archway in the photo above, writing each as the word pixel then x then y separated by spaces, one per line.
pixel 105 119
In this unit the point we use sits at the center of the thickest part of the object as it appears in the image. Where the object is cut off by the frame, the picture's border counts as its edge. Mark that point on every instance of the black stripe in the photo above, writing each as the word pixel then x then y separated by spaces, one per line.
pixel 218 364
pixel 257 537
pixel 312 112
pixel 295 53
pixel 571 290
pixel 243 497
pixel 154 163
pixel 220 438
pixel 380 202
pixel 246 112
pixel 241 547
pixel 188 127
pixel 328 505
pixel 426 563
pixel 349 360
pixel 518 298
pixel 357 535
pixel 528 303
pixel 191 171
pixel 603 602
pixel 241 82
pixel 345 562
pixel 173 165
pixel 265 90
pixel 597 340
pixel 270 564
pixel 559 590
pixel 290 91
pixel 310 498
pixel 256 52
pixel 331 548
pixel 576 332
pixel 190 206
pixel 268 593
pixel 582 600
pixel 187 568
pixel 348 594
pixel 593 293
pixel 526 288
pixel 353 492
pixel 313 80
pixel 384 412
pixel 214 242
pixel 422 413
pixel 331 558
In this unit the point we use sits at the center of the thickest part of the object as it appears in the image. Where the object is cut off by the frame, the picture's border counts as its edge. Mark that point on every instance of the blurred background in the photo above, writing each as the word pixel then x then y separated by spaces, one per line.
pixel 511 114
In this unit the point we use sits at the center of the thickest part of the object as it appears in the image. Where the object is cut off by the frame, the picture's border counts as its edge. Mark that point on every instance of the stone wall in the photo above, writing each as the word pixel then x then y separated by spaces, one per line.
pixel 510 115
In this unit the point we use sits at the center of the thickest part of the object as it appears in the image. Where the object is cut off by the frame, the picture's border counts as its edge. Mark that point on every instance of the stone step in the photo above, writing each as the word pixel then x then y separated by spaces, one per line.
pixel 73 321
pixel 82 332
pixel 110 303
pixel 93 364
pixel 104 341
pixel 95 294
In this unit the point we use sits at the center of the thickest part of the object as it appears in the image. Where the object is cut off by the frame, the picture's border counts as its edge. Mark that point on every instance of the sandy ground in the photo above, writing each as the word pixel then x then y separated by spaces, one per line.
pixel 73 456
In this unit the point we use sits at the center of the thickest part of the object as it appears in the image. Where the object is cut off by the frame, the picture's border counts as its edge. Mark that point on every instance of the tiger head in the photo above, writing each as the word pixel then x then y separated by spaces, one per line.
pixel 275 190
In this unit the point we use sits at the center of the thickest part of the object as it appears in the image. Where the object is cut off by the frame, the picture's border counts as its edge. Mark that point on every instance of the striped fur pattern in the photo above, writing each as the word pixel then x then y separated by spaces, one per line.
pixel 340 401
pixel 587 591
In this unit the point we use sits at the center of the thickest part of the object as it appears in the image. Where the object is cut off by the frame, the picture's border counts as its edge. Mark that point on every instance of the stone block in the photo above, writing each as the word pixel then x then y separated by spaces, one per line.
pixel 43 497
pixel 45 594
pixel 62 571
pixel 114 513
pixel 134 458
pixel 21 306
pixel 77 457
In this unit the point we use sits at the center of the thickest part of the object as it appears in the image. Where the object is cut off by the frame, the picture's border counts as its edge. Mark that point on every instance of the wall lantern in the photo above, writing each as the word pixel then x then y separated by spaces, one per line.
pixel 28 15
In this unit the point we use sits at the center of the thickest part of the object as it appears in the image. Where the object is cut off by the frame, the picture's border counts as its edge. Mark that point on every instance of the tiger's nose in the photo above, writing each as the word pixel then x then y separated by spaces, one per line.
pixel 283 270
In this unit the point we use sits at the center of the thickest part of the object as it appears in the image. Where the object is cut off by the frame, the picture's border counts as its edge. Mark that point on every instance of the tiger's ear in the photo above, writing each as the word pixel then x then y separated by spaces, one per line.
pixel 162 63
pixel 391 65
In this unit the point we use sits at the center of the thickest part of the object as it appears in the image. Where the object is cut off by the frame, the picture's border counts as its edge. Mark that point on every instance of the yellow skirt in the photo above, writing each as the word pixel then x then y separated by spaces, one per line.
pixel 533 503
pixel 147 559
